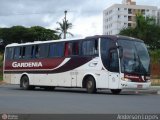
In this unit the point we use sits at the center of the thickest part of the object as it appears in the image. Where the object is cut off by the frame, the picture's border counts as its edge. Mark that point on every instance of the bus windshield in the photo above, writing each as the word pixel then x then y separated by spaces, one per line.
pixel 135 58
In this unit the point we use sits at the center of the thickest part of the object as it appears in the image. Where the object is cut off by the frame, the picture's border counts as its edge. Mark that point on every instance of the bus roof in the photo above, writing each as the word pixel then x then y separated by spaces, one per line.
pixel 113 37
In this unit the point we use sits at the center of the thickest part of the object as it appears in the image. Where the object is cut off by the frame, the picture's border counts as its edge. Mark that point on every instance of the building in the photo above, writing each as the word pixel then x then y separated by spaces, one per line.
pixel 119 16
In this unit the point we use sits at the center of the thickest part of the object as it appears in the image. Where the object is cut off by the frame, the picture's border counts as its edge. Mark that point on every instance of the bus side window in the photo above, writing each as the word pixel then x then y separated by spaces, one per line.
pixel 23 49
pixel 41 51
pixel 68 49
pixel 17 54
pixel 71 48
pixel 9 53
pixel 36 51
pixel 32 51
pixel 28 52
pixel 90 47
pixel 56 50
pixel 75 48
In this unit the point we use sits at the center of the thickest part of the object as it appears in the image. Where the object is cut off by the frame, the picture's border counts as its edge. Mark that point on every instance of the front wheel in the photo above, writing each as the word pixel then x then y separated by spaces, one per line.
pixel 91 85
pixel 116 91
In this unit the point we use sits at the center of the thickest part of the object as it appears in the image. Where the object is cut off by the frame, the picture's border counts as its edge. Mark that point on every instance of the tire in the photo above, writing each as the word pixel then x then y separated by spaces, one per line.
pixel 25 83
pixel 90 85
pixel 116 91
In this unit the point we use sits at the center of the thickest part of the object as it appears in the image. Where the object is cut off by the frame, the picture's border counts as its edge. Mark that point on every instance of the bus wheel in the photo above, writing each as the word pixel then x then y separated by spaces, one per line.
pixel 91 85
pixel 25 83
pixel 116 91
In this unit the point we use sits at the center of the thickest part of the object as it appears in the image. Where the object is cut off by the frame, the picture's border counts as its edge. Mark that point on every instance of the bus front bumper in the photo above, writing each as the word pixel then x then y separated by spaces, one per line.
pixel 134 85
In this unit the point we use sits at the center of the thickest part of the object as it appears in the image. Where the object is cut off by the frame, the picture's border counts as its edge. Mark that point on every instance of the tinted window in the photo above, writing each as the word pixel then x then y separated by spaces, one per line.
pixel 22 53
pixel 9 53
pixel 90 47
pixel 29 52
pixel 17 52
pixel 41 51
pixel 71 48
pixel 114 63
pixel 56 50
pixel 75 48
pixel 106 45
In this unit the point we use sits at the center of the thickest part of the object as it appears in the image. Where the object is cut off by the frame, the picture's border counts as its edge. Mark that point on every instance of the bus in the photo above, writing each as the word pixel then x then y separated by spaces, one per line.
pixel 96 62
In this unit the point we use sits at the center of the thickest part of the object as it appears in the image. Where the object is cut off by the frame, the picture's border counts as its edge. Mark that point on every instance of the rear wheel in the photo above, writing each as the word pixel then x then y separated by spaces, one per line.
pixel 116 91
pixel 90 85
pixel 25 83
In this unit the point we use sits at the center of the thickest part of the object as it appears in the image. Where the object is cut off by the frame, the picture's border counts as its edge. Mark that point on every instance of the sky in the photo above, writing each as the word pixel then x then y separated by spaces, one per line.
pixel 85 15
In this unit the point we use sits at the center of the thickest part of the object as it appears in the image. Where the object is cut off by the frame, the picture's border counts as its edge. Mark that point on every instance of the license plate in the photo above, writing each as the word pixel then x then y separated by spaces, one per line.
pixel 139 86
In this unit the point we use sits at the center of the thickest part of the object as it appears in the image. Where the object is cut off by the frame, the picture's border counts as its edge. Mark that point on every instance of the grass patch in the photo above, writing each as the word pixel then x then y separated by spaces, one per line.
pixel 1 60
pixel 1 66
pixel 1 76
pixel 155 82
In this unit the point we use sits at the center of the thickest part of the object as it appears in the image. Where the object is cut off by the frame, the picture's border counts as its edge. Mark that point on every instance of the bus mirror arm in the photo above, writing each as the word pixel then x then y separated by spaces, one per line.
pixel 120 51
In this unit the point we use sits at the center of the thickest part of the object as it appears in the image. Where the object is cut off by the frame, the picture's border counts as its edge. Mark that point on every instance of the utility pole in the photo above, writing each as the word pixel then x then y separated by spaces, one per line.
pixel 65 26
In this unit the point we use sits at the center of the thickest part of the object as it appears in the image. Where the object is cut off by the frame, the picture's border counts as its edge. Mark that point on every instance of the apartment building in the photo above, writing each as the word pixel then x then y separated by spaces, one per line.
pixel 119 16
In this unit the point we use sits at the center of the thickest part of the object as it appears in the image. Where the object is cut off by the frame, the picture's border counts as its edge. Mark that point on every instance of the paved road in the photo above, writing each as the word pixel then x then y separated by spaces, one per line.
pixel 15 100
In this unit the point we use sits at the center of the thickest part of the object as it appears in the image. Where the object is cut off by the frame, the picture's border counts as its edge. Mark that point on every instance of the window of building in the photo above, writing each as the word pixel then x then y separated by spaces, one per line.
pixel 118 9
pixel 129 24
pixel 143 11
pixel 129 11
pixel 129 18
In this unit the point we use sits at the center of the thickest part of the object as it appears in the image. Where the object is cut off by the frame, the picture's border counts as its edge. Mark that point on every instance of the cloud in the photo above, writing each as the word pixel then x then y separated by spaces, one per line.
pixel 85 15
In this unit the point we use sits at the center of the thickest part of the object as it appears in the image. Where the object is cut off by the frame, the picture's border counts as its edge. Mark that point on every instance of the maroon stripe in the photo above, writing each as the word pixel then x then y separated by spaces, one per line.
pixel 47 64
pixel 73 63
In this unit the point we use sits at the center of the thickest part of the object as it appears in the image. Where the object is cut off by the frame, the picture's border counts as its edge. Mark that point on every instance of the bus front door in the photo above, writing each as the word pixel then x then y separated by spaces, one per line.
pixel 114 74
pixel 113 80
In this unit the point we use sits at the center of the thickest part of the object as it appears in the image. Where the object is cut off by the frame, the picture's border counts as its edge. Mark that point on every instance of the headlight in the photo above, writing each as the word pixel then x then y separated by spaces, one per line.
pixel 125 79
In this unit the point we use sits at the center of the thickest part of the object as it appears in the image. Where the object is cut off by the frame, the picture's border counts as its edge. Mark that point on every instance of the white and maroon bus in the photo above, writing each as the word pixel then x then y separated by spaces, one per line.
pixel 96 62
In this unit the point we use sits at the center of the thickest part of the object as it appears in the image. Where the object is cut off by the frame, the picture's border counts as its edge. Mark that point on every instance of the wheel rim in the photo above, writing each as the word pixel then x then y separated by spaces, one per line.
pixel 89 84
pixel 25 83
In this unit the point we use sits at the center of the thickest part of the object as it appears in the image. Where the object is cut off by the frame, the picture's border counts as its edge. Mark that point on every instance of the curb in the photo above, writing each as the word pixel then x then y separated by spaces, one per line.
pixel 2 83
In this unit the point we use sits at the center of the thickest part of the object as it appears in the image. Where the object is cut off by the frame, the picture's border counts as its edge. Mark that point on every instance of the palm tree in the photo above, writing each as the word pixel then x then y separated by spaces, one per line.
pixel 65 25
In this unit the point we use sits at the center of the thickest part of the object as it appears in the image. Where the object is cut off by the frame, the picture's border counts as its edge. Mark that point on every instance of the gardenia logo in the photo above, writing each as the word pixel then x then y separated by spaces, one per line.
pixel 26 64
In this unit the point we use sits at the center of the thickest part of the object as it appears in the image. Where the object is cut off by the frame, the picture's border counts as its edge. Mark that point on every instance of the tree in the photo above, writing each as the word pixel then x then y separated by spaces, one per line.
pixel 62 26
pixel 42 34
pixel 20 34
pixel 146 29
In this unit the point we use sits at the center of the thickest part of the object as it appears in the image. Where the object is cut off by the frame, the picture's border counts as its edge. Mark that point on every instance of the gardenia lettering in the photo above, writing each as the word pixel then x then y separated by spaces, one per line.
pixel 26 64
